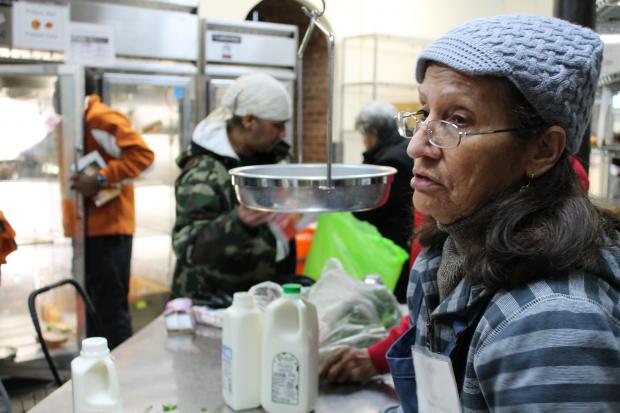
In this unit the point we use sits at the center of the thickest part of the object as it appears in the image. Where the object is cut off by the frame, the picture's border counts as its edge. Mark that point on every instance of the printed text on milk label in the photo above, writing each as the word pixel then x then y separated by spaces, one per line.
pixel 227 356
pixel 285 379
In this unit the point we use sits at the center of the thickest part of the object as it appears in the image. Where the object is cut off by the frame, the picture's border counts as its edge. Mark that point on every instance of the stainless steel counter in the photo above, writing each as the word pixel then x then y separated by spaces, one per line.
pixel 155 369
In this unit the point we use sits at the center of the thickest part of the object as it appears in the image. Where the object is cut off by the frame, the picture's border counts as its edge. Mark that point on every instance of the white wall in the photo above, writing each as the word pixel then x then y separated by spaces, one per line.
pixel 226 9
pixel 417 18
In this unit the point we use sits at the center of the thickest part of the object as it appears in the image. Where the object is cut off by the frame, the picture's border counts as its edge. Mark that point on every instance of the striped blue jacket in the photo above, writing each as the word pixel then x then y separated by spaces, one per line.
pixel 549 346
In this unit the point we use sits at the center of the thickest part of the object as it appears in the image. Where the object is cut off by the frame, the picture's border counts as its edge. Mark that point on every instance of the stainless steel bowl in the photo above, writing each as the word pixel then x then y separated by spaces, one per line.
pixel 304 187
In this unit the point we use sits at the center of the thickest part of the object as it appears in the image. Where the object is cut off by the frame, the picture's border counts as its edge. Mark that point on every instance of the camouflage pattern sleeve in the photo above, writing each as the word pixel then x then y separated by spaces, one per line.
pixel 215 250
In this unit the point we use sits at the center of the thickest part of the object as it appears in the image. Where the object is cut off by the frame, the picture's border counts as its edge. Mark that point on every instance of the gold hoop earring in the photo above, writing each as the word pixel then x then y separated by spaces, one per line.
pixel 527 185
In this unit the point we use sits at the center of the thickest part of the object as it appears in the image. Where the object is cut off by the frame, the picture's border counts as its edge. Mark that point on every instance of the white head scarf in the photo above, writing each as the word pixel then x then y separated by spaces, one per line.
pixel 255 94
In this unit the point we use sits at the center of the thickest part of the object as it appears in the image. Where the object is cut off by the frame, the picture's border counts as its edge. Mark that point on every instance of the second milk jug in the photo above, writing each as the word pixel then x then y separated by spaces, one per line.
pixel 290 354
pixel 94 379
pixel 242 326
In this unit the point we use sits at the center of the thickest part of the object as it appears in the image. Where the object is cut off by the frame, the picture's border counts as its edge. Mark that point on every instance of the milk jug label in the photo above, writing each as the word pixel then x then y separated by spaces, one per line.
pixel 285 379
pixel 227 355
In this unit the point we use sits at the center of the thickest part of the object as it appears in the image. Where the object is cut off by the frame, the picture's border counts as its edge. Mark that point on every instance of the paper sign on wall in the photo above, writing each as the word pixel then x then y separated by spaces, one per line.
pixel 90 44
pixel 40 26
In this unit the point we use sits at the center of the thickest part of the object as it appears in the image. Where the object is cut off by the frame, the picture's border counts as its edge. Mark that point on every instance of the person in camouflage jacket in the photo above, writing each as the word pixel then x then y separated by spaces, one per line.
pixel 221 246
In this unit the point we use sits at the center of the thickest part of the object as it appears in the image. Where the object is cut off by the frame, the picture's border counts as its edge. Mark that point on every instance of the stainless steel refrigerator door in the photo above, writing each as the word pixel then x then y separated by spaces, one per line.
pixel 40 134
pixel 161 108
pixel 215 90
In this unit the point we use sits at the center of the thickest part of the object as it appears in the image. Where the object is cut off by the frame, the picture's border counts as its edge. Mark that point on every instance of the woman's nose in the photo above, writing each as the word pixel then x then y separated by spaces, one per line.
pixel 419 145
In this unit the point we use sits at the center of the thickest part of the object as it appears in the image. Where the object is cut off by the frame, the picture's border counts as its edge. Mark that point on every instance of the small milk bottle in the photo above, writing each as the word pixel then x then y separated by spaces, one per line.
pixel 290 354
pixel 94 379
pixel 242 334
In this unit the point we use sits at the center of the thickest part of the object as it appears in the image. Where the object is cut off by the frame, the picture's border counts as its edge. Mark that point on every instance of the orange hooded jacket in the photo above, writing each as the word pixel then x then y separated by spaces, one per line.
pixel 7 239
pixel 126 154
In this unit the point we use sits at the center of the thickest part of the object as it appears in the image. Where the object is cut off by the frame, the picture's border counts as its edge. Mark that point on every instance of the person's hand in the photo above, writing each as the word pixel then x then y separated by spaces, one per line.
pixel 347 365
pixel 87 185
pixel 252 217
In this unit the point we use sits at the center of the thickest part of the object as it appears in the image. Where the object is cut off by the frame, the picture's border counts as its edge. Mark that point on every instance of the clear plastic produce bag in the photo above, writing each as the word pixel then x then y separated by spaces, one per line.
pixel 350 312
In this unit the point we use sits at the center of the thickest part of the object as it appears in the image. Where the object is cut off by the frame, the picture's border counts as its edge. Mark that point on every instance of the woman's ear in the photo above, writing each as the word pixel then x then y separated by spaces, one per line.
pixel 248 121
pixel 544 152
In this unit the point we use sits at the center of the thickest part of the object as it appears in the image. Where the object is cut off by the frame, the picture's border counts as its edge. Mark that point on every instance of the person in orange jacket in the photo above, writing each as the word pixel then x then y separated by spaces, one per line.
pixel 110 226
pixel 7 240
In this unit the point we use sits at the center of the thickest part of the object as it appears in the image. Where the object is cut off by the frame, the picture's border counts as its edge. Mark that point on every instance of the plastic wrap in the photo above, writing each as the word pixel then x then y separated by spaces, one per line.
pixel 351 313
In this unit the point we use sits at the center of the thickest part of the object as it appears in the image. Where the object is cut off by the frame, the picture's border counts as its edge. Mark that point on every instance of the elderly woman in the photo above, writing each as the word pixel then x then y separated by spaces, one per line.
pixel 515 300
pixel 385 147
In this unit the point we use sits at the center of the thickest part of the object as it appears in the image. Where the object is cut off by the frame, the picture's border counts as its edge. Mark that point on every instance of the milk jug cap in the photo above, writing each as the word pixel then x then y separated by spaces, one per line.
pixel 243 299
pixel 94 346
pixel 292 289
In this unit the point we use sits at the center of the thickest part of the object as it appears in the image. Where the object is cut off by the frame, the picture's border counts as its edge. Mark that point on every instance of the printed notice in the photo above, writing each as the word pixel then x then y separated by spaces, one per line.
pixel 285 379
pixel 91 44
pixel 40 26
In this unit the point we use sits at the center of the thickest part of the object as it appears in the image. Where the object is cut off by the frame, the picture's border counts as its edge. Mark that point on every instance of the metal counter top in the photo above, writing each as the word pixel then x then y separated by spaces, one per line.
pixel 155 369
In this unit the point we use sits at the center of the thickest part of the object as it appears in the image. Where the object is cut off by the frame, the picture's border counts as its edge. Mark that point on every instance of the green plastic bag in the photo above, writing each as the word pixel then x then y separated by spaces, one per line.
pixel 358 245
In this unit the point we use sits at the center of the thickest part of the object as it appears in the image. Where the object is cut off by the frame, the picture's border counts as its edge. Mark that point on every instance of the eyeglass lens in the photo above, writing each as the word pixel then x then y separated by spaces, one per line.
pixel 407 125
pixel 440 133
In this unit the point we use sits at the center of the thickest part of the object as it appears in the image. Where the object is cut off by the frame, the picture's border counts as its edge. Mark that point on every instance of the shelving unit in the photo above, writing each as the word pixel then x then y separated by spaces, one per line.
pixel 375 67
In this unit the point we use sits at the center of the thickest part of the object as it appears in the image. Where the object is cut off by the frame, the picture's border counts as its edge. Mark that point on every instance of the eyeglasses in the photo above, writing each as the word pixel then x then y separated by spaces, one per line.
pixel 441 133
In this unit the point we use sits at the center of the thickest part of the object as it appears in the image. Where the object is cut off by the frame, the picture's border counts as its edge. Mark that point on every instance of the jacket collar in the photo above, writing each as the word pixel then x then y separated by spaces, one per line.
pixel 213 137
pixel 459 301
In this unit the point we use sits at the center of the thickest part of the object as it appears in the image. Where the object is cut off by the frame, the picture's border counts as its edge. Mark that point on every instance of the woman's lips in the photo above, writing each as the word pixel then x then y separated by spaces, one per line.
pixel 421 182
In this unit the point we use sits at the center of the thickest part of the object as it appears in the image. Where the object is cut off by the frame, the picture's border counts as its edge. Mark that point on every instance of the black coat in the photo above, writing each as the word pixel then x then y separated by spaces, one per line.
pixel 394 219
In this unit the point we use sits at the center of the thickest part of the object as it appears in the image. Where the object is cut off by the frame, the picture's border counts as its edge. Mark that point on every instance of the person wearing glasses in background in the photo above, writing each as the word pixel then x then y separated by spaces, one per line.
pixel 515 299
pixel 223 247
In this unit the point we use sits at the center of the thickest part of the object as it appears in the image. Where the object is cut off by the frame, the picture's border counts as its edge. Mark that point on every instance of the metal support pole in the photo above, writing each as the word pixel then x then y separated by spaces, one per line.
pixel 314 15
pixel 375 64
pixel 300 108
pixel 330 100
pixel 300 82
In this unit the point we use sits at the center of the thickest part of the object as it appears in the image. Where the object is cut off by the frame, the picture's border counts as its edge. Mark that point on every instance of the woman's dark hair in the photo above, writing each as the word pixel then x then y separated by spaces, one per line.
pixel 543 231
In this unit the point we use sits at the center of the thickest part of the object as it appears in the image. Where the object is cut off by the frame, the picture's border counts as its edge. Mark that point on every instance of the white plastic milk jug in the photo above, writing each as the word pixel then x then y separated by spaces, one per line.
pixel 242 334
pixel 94 379
pixel 290 354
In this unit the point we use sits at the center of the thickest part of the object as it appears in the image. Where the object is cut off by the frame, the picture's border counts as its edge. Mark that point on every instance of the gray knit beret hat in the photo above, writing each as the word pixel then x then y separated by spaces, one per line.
pixel 555 64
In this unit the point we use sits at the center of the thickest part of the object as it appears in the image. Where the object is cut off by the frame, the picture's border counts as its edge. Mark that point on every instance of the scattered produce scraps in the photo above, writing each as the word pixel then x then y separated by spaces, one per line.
pixel 170 407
